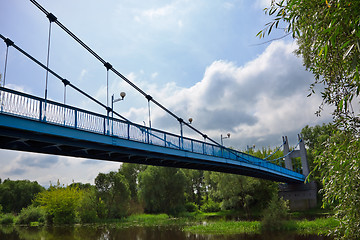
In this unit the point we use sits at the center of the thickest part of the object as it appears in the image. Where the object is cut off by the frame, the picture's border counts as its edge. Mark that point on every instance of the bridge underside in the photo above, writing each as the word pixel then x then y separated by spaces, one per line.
pixel 31 136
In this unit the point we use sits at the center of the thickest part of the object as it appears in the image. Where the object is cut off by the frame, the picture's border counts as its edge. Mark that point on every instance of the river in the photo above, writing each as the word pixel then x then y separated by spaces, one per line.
pixel 104 232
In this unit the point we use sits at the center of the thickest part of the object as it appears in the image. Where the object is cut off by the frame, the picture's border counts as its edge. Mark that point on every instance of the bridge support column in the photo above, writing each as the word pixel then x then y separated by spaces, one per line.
pixel 300 196
pixel 294 154
pixel 288 162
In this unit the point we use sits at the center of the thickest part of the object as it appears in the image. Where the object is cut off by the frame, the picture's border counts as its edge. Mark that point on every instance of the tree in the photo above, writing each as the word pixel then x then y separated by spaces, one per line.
pixel 90 207
pixel 241 192
pixel 15 195
pixel 162 189
pixel 195 187
pixel 60 203
pixel 131 171
pixel 113 189
pixel 328 36
pixel 339 166
pixel 315 138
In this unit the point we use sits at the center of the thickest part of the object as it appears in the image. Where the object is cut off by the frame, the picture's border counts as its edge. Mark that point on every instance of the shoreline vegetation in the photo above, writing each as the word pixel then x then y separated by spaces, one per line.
pixel 219 223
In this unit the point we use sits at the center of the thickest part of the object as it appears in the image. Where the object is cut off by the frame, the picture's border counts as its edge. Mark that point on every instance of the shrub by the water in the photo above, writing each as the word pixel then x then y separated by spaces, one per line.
pixel 191 207
pixel 87 208
pixel 275 214
pixel 7 219
pixel 32 214
pixel 60 204
pixel 210 206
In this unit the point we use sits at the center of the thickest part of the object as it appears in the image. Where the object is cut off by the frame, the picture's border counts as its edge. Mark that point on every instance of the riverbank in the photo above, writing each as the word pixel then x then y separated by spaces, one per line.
pixel 217 223
pixel 226 222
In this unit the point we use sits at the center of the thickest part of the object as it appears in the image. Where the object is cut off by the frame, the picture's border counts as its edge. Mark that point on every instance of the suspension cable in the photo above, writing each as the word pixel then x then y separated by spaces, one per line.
pixel 51 18
pixel 275 151
pixel 130 83
pixel 119 74
pixel 148 97
pixel 8 44
pixel 65 81
pixel 288 152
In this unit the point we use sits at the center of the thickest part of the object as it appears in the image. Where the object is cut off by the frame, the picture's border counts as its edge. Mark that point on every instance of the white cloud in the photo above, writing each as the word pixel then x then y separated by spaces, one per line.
pixel 229 5
pixel 49 168
pixel 180 24
pixel 257 102
pixel 83 74
pixel 154 75
pixel 159 12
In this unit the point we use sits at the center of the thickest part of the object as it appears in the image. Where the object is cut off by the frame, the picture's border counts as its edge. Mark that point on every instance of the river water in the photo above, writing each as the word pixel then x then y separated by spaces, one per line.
pixel 96 232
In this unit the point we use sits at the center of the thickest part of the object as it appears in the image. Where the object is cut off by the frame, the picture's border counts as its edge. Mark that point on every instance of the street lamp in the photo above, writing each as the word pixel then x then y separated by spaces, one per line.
pixel 221 137
pixel 113 100
pixel 181 121
pixel 122 95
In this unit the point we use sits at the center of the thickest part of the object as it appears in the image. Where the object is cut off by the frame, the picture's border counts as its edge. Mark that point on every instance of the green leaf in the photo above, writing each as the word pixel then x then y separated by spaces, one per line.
pixel 345 44
pixel 326 50
pixel 341 103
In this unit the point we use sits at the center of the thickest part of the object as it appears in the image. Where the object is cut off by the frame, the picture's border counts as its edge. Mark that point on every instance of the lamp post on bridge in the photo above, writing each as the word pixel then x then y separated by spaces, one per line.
pixel 181 130
pixel 221 138
pixel 113 100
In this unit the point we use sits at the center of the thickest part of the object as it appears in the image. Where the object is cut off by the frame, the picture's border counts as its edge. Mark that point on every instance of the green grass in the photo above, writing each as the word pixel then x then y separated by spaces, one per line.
pixel 319 226
pixel 311 214
pixel 222 227
pixel 149 220
pixel 214 223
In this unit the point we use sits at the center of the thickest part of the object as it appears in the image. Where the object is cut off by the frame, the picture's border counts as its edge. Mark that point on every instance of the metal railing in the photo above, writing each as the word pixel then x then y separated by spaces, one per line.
pixel 31 107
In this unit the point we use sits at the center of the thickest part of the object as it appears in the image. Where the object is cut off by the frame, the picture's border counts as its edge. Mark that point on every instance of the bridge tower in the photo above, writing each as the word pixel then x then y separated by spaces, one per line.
pixel 294 154
pixel 304 195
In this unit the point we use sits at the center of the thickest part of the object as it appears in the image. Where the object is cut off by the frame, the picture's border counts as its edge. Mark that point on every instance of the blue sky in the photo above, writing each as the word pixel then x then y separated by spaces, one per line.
pixel 199 58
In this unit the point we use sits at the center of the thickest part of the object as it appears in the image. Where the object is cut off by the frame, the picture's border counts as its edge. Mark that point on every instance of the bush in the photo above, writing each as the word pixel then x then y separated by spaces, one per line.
pixel 275 214
pixel 191 207
pixel 7 219
pixel 32 214
pixel 176 211
pixel 210 206
pixel 87 207
pixel 60 203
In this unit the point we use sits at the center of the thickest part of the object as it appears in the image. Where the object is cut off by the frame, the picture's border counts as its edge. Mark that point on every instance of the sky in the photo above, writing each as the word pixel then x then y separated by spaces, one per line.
pixel 198 58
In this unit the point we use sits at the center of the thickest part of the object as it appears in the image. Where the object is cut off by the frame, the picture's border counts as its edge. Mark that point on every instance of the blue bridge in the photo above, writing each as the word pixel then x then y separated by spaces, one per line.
pixel 35 124
pixel 30 123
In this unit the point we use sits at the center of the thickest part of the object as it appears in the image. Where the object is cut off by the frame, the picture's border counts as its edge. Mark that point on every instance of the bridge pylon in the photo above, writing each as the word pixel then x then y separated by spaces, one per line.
pixel 294 154
pixel 304 195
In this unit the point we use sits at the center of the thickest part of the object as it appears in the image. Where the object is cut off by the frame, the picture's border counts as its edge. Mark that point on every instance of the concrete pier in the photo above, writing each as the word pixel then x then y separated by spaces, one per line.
pixel 300 196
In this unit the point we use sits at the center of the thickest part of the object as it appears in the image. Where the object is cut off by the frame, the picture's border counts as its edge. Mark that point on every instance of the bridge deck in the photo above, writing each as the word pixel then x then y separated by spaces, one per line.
pixel 29 123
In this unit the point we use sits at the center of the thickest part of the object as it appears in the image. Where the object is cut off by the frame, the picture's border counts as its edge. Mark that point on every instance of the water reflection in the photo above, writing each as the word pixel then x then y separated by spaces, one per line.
pixel 101 232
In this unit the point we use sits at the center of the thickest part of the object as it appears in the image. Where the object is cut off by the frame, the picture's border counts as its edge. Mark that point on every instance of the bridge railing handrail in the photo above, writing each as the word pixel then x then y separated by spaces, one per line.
pixel 39 109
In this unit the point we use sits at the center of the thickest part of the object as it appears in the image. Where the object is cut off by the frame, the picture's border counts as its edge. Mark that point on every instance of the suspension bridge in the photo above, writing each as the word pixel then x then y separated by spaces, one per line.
pixel 35 124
